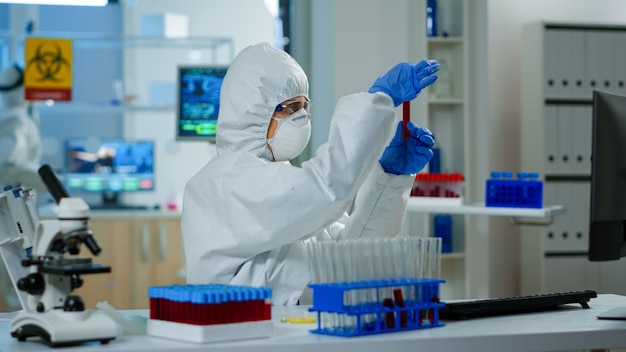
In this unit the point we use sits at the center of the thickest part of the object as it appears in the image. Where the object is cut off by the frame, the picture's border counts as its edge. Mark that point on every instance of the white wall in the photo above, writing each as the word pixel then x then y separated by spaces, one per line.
pixel 353 42
pixel 245 21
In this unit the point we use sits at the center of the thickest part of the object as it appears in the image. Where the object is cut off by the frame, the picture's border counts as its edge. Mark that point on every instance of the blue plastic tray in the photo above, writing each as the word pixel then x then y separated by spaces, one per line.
pixel 379 306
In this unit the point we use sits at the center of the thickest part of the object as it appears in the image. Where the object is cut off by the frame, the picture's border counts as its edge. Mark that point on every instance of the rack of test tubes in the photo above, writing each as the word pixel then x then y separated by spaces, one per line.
pixel 375 285
pixel 446 187
pixel 209 313
pixel 502 190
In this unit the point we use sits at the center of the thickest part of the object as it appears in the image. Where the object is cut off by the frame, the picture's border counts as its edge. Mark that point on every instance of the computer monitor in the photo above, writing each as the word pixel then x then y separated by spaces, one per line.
pixel 198 101
pixel 607 235
pixel 109 167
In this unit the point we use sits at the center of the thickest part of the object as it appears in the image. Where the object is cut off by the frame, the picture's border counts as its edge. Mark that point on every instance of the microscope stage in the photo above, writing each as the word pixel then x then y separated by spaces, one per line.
pixel 70 269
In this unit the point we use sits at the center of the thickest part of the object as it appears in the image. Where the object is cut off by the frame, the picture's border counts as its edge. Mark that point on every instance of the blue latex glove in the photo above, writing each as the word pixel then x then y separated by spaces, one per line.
pixel 405 80
pixel 408 156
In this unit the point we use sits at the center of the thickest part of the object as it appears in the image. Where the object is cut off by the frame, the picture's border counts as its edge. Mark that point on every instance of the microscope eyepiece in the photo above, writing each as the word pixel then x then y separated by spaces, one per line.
pixel 50 179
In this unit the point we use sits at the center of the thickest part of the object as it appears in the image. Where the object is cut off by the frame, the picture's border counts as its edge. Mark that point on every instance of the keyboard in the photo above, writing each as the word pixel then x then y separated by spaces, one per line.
pixel 514 305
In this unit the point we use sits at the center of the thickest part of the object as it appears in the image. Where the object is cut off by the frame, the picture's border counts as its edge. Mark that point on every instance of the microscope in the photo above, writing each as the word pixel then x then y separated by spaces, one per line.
pixel 44 275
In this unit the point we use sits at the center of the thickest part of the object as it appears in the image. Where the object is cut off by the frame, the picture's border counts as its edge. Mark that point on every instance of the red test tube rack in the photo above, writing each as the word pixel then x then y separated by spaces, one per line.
pixel 208 313
pixel 438 185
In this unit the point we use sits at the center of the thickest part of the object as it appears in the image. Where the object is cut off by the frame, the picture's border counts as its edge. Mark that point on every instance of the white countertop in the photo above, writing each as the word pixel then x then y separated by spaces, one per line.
pixel 569 328
pixel 49 212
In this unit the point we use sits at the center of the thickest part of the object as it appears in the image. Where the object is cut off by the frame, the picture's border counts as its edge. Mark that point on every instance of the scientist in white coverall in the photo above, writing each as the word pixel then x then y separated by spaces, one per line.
pixel 20 151
pixel 247 212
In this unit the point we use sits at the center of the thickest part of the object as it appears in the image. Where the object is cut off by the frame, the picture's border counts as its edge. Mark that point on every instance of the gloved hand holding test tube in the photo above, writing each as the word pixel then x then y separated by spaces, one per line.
pixel 410 149
pixel 405 80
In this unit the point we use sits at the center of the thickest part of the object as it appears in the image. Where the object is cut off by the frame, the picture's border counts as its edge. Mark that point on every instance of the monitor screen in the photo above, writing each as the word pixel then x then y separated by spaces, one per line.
pixel 109 166
pixel 607 238
pixel 198 101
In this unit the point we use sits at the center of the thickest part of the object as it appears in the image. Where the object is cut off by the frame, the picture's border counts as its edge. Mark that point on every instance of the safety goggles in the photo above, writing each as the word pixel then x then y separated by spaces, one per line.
pixel 291 106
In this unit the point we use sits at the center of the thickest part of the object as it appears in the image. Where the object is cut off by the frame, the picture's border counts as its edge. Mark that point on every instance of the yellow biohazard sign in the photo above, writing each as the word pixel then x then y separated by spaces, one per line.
pixel 48 69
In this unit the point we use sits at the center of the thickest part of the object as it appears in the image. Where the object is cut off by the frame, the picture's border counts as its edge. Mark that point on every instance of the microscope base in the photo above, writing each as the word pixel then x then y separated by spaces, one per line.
pixel 61 328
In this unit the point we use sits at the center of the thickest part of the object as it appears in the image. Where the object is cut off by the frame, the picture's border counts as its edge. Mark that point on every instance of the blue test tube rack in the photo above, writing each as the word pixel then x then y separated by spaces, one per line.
pixel 378 306
pixel 524 192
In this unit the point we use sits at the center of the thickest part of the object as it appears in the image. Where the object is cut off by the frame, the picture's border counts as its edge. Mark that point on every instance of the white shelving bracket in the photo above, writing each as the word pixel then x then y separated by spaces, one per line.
pixel 546 220
pixel 519 216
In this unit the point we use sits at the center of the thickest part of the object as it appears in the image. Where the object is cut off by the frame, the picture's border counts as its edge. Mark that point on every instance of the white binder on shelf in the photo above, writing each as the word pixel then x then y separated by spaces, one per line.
pixel 552 75
pixel 574 65
pixel 606 59
pixel 619 57
pixel 596 56
pixel 564 139
pixel 581 130
pixel 582 219
pixel 573 228
pixel 549 231
pixel 550 140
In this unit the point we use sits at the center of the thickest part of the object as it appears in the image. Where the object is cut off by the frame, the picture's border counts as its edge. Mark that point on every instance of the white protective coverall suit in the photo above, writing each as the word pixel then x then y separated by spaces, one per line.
pixel 20 146
pixel 20 153
pixel 245 217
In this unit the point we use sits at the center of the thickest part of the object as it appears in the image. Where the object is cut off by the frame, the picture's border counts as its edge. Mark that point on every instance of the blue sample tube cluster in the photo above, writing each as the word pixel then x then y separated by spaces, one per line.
pixel 376 306
pixel 502 190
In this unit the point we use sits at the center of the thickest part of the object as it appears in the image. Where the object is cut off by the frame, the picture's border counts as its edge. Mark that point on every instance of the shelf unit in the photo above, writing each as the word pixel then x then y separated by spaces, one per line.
pixel 123 83
pixel 85 46
pixel 91 107
pixel 561 65
pixel 443 108
pixel 517 215
pixel 100 41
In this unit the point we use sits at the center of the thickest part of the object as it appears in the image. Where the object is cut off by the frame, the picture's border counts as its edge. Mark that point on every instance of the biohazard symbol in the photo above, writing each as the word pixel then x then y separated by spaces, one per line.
pixel 49 62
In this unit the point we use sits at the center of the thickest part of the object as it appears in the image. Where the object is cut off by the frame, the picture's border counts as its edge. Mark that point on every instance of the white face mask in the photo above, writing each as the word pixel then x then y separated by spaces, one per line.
pixel 291 136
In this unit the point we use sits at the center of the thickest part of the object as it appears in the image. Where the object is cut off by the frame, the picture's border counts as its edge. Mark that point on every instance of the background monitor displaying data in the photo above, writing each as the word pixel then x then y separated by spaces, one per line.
pixel 607 235
pixel 109 167
pixel 198 101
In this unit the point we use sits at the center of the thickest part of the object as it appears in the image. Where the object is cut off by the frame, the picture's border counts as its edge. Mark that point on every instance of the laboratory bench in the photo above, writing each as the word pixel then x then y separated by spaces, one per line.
pixel 134 214
pixel 569 328
pixel 143 249
pixel 49 212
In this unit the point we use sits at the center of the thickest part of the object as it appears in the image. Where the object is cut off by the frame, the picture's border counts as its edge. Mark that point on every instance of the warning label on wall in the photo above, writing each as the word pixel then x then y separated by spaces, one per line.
pixel 48 69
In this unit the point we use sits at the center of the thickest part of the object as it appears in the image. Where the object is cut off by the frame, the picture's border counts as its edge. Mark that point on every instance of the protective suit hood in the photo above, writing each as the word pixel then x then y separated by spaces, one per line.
pixel 259 78
pixel 12 87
